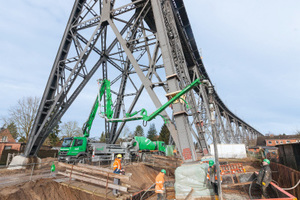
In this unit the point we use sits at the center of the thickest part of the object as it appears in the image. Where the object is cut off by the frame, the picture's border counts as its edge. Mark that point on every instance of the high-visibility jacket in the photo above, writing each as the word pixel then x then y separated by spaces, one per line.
pixel 159 181
pixel 212 173
pixel 117 164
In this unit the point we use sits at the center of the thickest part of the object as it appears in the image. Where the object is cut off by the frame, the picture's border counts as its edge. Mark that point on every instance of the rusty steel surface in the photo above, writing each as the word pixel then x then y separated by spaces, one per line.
pixel 286 177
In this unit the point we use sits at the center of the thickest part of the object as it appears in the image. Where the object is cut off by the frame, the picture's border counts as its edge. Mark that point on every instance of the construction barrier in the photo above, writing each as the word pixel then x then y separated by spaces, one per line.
pixel 233 168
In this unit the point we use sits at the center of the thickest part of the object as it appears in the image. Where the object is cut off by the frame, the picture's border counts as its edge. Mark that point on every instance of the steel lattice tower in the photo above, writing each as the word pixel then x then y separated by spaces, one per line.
pixel 140 45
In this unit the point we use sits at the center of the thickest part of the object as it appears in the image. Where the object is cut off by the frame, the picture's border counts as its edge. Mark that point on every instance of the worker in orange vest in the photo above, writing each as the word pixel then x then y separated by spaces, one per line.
pixel 212 176
pixel 117 167
pixel 174 152
pixel 159 184
pixel 117 164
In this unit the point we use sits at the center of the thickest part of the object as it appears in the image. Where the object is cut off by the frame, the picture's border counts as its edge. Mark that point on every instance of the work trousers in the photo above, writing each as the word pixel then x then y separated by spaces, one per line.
pixel 116 182
pixel 160 196
pixel 264 192
pixel 215 187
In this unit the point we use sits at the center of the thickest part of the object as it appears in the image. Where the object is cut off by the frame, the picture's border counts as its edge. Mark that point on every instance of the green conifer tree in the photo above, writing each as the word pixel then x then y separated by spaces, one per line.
pixel 102 138
pixel 139 131
pixel 164 134
pixel 152 133
pixel 13 130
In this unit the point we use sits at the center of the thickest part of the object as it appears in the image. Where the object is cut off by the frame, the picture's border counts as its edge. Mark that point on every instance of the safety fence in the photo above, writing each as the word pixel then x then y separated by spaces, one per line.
pixel 43 153
pixel 26 172
pixel 286 178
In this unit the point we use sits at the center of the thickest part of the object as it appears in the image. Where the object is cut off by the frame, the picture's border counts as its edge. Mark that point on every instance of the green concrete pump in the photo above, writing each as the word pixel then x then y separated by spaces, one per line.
pixel 75 149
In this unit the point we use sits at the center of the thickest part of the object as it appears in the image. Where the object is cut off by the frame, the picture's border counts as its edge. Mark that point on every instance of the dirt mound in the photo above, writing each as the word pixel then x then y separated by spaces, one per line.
pixel 43 189
pixel 142 176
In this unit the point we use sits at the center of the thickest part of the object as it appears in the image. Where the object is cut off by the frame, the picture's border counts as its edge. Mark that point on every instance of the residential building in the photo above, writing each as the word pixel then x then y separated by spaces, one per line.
pixel 7 142
pixel 274 140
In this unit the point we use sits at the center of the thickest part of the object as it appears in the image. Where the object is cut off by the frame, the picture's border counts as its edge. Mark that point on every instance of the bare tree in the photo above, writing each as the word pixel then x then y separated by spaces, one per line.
pixel 126 131
pixel 23 115
pixel 71 129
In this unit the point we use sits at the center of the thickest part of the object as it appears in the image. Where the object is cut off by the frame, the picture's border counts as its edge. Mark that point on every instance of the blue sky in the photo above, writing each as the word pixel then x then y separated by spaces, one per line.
pixel 250 50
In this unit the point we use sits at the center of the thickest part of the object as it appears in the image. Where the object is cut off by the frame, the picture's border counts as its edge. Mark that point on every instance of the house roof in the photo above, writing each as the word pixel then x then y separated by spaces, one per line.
pixel 5 132
pixel 283 137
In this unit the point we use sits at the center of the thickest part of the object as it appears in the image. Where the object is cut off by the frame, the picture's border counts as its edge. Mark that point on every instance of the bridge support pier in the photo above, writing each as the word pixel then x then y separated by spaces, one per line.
pixel 22 162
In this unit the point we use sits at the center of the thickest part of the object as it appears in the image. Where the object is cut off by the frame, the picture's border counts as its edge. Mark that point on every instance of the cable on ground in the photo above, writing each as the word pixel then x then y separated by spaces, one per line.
pixel 147 191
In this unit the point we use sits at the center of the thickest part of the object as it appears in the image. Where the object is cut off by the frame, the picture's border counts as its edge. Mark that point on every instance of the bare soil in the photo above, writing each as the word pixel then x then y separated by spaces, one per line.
pixel 41 190
pixel 143 176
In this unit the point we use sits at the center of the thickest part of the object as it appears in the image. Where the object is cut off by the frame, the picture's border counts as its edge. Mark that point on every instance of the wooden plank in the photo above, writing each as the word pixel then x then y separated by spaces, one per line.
pixel 96 168
pixel 87 176
pixel 93 171
pixel 236 184
pixel 97 178
pixel 293 183
pixel 97 182
pixel 189 194
pixel 237 178
pixel 100 168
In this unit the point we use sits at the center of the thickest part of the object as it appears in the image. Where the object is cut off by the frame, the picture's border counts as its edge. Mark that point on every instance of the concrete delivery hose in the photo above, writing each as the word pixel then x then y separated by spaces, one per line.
pixel 147 191
pixel 291 188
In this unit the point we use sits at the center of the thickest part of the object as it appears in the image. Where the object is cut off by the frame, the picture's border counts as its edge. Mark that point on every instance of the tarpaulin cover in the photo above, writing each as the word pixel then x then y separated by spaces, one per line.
pixel 190 176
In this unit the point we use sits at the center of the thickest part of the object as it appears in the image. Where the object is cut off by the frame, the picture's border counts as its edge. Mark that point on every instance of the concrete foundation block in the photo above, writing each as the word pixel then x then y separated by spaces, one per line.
pixel 22 162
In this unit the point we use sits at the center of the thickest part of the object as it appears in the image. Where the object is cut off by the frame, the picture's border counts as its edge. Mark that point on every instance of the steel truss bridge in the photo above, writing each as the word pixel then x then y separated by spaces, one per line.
pixel 140 45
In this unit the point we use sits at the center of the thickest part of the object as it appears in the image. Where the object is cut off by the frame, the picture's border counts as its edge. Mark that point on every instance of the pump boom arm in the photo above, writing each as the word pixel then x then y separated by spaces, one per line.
pixel 105 86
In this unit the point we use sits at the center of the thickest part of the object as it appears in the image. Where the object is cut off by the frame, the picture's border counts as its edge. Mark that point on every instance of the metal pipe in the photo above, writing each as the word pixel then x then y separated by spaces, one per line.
pixel 163 107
